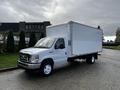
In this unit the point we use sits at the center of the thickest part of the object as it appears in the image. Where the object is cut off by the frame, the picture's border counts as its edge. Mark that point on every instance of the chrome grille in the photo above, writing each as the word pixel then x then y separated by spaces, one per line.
pixel 24 57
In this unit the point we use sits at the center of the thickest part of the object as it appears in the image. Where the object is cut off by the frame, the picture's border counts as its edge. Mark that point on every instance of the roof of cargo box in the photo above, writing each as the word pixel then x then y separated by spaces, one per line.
pixel 70 22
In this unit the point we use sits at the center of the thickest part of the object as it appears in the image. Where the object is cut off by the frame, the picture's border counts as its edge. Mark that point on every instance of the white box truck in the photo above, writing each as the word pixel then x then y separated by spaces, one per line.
pixel 63 43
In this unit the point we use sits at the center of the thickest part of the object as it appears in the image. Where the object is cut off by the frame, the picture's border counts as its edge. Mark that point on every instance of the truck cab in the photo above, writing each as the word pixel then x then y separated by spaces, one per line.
pixel 48 52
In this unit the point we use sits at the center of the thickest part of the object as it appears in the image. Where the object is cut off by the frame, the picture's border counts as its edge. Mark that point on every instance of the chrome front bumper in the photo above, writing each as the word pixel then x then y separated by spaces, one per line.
pixel 28 65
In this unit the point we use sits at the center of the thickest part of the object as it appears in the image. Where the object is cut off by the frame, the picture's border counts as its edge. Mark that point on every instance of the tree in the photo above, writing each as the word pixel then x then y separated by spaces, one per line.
pixel 32 40
pixel 22 44
pixel 10 42
pixel 117 40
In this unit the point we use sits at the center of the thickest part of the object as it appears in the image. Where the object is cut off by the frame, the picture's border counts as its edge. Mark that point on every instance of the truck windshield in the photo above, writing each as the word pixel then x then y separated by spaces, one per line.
pixel 45 43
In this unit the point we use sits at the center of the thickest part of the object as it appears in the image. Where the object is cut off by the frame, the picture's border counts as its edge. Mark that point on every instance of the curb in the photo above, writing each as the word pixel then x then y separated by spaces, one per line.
pixel 8 69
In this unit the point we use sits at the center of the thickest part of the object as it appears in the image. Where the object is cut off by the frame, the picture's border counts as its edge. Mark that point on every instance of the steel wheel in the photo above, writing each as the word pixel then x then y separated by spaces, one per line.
pixel 90 60
pixel 47 69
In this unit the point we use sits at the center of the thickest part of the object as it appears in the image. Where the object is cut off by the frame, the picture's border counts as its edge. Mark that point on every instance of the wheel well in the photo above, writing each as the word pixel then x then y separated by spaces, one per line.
pixel 48 60
pixel 95 55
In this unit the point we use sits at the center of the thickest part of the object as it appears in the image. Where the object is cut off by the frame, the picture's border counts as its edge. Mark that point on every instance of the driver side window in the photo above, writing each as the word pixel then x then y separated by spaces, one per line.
pixel 60 44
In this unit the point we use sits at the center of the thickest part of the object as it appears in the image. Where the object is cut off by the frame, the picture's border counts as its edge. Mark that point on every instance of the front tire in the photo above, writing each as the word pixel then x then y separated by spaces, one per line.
pixel 46 68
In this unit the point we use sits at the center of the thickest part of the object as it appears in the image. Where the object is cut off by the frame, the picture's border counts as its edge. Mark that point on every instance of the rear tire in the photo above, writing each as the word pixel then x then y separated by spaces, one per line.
pixel 90 60
pixel 46 68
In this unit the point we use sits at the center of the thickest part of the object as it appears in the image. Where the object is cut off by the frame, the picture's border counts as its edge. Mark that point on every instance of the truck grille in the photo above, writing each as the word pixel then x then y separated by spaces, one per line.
pixel 24 57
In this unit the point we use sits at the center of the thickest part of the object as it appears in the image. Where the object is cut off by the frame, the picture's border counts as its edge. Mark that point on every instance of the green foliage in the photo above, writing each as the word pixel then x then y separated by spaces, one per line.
pixel 10 42
pixel 8 60
pixel 22 44
pixel 2 48
pixel 117 40
pixel 33 40
pixel 112 47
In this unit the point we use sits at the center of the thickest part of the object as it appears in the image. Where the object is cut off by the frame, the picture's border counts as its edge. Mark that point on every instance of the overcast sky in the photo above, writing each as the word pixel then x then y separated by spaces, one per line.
pixel 105 13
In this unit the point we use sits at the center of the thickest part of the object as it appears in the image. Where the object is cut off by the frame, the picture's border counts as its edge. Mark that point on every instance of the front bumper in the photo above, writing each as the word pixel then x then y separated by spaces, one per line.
pixel 28 65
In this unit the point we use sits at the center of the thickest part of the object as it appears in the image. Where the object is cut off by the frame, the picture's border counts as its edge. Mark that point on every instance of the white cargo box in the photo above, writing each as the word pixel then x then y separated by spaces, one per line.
pixel 80 39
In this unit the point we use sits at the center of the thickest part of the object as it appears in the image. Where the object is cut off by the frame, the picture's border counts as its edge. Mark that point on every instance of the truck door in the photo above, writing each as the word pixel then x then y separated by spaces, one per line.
pixel 60 52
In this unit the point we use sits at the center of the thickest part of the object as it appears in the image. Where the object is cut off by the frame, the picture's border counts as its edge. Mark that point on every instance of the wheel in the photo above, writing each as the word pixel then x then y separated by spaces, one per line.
pixel 90 60
pixel 46 68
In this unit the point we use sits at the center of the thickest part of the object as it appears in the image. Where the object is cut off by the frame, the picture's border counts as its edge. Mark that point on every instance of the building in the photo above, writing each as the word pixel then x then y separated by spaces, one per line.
pixel 39 28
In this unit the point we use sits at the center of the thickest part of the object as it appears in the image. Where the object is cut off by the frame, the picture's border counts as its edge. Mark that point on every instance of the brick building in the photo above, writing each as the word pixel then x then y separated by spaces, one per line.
pixel 39 28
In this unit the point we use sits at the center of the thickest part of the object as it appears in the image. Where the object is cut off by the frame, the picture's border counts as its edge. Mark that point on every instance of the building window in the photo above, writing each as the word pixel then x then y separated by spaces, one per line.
pixel 38 26
pixel 26 26
pixel 33 26
pixel 29 26
pixel 42 27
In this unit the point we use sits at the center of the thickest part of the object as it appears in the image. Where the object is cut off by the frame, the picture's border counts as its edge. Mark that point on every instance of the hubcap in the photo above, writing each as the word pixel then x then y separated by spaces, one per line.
pixel 93 59
pixel 47 69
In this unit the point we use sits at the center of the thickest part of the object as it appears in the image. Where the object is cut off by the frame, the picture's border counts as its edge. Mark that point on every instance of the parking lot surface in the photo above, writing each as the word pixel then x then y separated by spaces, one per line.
pixel 103 75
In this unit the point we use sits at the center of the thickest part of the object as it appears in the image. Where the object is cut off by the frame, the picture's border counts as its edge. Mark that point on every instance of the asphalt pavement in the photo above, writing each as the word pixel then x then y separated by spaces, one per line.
pixel 103 75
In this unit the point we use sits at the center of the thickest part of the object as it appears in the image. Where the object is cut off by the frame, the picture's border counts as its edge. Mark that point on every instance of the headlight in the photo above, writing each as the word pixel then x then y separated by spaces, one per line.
pixel 34 59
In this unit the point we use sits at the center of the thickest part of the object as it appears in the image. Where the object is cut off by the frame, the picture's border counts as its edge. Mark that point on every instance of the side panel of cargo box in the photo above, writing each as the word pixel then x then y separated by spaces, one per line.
pixel 85 39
